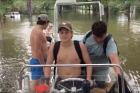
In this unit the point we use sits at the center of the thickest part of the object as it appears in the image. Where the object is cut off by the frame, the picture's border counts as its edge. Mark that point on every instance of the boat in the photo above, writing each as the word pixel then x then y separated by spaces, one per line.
pixel 14 15
pixel 119 84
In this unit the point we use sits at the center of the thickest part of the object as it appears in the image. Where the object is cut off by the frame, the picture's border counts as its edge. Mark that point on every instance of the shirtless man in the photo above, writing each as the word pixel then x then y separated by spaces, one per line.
pixel 38 49
pixel 67 55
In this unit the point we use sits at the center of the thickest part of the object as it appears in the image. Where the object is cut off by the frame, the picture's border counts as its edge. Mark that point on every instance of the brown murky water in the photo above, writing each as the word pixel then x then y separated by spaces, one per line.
pixel 15 49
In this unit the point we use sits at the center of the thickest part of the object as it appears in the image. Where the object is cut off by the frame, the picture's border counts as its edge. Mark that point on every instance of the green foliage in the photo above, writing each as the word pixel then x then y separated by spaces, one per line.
pixel 42 5
pixel 1 10
pixel 8 5
pixel 3 6
pixel 21 5
pixel 114 7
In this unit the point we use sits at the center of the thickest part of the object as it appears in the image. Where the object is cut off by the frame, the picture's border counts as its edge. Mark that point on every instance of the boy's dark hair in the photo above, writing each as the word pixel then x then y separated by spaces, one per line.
pixel 42 19
pixel 41 22
pixel 99 28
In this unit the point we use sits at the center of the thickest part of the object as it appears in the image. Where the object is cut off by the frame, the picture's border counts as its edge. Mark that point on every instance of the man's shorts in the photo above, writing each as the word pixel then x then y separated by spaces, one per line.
pixel 36 72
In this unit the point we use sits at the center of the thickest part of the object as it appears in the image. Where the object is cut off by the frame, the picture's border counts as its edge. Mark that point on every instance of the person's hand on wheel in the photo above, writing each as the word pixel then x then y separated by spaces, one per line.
pixel 92 83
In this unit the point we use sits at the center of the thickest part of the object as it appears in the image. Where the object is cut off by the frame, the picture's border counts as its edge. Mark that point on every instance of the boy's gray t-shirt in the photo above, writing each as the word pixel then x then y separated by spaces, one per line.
pixel 97 55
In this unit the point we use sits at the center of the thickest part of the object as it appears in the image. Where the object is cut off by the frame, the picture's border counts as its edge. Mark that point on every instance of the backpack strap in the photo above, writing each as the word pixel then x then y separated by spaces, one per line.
pixel 55 53
pixel 87 35
pixel 106 42
pixel 78 50
pixel 55 50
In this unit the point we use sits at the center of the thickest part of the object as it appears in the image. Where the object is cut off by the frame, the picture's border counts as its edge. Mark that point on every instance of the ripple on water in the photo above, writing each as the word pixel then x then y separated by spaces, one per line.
pixel 9 72
pixel 134 80
pixel 135 27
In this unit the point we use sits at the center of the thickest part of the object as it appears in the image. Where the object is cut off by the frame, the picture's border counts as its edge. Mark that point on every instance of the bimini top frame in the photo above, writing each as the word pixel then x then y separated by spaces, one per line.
pixel 58 3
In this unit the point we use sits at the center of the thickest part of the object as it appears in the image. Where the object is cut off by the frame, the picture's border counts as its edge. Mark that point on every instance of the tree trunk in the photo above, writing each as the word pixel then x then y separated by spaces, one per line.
pixel 106 13
pixel 128 13
pixel 29 8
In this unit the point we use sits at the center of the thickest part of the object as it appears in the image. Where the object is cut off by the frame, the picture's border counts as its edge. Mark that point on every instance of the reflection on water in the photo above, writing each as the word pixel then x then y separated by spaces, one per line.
pixel 15 48
pixel 14 52
pixel 9 74
pixel 135 27
pixel 11 46
pixel 135 76
pixel 122 19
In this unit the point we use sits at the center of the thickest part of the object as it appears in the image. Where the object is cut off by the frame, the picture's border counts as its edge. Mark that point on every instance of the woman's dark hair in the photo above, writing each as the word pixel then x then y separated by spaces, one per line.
pixel 99 28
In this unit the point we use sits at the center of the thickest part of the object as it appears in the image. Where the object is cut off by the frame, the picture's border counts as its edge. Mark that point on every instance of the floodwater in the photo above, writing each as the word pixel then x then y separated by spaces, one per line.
pixel 15 46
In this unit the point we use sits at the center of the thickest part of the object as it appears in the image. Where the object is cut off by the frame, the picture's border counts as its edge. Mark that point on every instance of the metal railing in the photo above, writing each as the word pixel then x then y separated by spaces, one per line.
pixel 78 65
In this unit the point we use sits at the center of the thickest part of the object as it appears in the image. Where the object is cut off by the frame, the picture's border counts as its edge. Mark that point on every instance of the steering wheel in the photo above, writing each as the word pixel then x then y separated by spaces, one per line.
pixel 70 85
